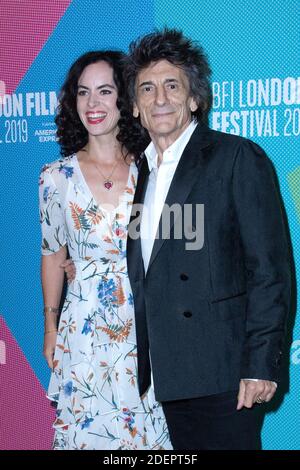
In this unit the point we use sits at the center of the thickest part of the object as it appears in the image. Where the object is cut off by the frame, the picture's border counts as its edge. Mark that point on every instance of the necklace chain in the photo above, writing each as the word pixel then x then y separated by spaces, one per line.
pixel 106 178
pixel 108 183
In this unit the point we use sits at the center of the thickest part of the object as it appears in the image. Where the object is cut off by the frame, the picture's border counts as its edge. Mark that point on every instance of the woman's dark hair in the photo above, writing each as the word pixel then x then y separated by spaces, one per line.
pixel 71 133
pixel 171 45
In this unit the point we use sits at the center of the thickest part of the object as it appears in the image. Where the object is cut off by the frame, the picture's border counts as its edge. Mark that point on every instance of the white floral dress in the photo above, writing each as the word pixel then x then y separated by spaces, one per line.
pixel 94 380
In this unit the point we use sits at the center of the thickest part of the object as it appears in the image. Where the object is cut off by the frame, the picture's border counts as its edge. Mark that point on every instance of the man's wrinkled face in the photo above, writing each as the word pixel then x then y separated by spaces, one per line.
pixel 163 100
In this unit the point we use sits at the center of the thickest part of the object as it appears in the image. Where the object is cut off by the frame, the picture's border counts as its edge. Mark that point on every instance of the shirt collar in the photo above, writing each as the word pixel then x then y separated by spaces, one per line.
pixel 173 153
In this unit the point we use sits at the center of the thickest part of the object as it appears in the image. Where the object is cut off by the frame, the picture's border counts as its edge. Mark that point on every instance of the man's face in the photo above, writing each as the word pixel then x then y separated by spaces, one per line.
pixel 163 100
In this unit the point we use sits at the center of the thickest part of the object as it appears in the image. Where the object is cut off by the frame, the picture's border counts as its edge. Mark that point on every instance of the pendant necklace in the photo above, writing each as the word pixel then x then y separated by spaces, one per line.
pixel 108 183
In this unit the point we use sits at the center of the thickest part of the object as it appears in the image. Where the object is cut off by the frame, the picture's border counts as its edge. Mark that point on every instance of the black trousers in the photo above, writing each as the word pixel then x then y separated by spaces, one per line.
pixel 213 423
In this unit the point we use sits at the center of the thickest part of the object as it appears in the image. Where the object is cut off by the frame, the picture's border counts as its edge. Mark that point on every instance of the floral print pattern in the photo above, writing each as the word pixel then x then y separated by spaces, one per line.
pixel 94 380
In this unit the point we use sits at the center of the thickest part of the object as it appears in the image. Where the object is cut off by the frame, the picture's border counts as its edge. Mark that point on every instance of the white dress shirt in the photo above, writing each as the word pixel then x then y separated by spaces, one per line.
pixel 159 182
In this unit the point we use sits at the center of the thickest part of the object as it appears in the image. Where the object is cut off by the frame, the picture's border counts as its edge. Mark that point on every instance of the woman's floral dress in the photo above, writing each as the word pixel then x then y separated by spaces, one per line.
pixel 94 380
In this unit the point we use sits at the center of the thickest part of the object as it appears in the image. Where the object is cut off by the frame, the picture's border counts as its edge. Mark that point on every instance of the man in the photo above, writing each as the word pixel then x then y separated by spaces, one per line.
pixel 210 318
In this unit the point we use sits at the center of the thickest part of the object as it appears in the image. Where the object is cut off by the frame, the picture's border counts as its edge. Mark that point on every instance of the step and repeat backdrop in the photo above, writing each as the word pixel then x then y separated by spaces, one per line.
pixel 254 50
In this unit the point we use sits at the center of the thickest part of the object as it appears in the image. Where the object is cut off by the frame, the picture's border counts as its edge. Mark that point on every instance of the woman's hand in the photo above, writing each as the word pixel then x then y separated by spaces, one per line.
pixel 70 269
pixel 49 346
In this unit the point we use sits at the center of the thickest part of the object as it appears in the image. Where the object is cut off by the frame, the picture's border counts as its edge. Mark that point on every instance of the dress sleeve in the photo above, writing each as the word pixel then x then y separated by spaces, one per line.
pixel 51 215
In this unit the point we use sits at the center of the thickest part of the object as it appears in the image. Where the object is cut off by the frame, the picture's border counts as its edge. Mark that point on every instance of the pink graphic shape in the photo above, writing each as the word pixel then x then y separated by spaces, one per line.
pixel 25 27
pixel 26 416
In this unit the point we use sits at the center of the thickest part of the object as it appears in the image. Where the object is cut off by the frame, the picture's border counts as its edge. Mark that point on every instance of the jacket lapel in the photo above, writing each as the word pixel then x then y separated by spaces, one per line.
pixel 142 182
pixel 134 251
pixel 187 173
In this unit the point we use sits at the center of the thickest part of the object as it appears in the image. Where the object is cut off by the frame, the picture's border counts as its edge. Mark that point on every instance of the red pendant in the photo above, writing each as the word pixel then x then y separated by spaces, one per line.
pixel 108 184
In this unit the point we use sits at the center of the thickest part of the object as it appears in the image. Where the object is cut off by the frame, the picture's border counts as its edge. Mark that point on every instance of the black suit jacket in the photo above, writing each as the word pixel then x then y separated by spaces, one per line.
pixel 217 314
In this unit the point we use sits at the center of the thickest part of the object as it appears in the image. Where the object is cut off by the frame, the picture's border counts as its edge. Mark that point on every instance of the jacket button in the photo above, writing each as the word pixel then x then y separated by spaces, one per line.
pixel 187 314
pixel 184 277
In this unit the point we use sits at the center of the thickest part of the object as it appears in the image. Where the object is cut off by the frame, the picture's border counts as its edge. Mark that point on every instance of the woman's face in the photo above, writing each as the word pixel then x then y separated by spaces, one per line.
pixel 96 100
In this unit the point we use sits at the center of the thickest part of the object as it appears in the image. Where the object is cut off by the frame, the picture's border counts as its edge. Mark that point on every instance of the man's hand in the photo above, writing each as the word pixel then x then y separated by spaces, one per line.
pixel 69 268
pixel 251 392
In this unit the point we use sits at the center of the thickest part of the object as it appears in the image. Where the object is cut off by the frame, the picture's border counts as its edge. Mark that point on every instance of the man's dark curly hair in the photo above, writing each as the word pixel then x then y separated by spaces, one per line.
pixel 173 46
pixel 71 133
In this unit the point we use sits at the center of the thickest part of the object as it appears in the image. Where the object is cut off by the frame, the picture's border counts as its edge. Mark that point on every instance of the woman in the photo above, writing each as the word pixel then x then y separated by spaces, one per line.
pixel 85 203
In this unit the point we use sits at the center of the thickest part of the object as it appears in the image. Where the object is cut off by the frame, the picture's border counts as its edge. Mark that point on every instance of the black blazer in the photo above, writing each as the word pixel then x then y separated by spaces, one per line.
pixel 217 314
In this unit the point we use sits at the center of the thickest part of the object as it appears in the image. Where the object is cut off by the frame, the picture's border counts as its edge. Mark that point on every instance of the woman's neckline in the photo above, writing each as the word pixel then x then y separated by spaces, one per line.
pixel 99 204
